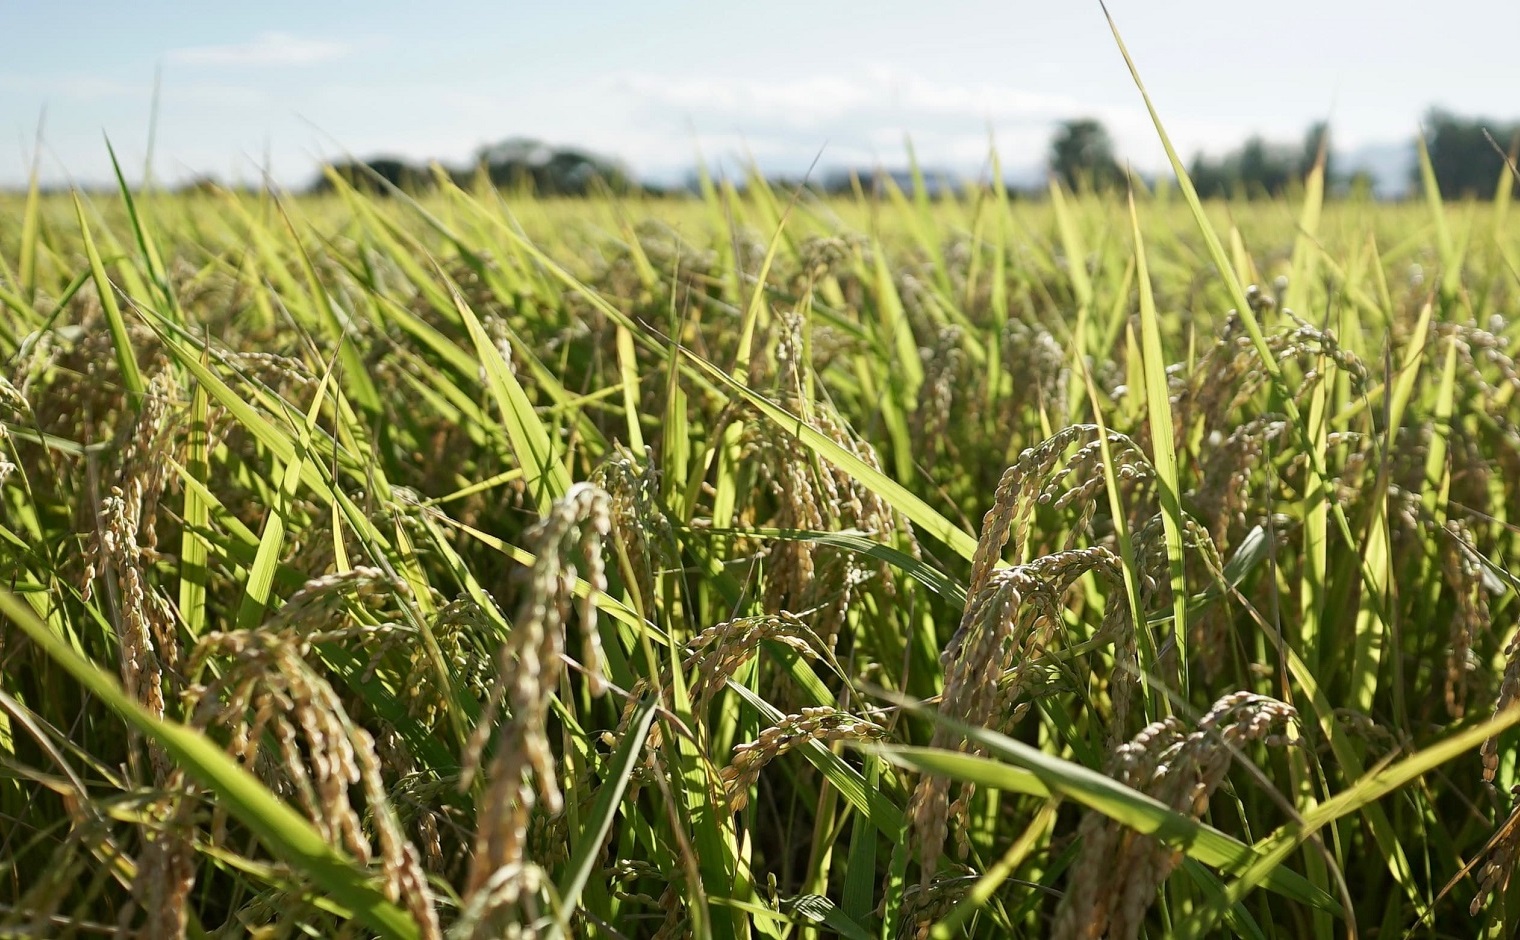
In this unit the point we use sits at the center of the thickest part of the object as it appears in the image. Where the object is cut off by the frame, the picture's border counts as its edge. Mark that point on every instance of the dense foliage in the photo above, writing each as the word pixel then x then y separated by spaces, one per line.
pixel 757 566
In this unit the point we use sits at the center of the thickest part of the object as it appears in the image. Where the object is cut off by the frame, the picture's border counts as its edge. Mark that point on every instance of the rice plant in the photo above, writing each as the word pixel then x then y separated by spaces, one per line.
pixel 758 565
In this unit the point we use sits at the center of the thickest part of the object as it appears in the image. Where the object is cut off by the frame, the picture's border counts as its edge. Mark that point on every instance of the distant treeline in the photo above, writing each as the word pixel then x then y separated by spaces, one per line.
pixel 514 163
pixel 525 164
pixel 1464 154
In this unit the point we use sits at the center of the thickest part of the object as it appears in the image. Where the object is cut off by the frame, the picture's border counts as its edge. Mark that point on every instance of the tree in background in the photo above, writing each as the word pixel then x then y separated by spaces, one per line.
pixel 517 162
pixel 1317 138
pixel 1464 161
pixel 367 175
pixel 1265 168
pixel 565 171
pixel 1081 153
pixel 1258 168
pixel 1261 167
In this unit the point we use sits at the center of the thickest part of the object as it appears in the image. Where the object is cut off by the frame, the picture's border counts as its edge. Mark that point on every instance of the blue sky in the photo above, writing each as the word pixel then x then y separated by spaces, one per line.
pixel 285 84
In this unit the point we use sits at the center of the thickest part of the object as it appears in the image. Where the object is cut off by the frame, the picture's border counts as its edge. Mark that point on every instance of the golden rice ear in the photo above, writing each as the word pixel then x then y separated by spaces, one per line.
pixel 1498 858
pixel 1011 614
pixel 523 772
pixel 993 658
pixel 640 531
pixel 716 653
pixel 1032 479
pixel 1118 872
pixel 812 495
pixel 944 366
pixel 822 724
pixel 123 545
pixel 268 687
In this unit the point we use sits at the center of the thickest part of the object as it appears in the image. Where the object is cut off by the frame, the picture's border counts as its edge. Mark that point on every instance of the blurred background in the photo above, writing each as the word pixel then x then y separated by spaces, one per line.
pixel 637 94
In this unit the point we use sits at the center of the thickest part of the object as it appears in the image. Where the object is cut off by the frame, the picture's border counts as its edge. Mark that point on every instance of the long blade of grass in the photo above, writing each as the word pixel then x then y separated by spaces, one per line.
pixel 598 823
pixel 1163 443
pixel 283 831
pixel 896 495
pixel 1030 772
pixel 193 554
pixel 126 359
pixel 272 540
pixel 543 468
pixel 1275 849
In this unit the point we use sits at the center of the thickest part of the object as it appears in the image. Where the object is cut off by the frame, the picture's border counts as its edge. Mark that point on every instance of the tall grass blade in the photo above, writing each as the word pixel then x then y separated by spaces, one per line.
pixel 126 359
pixel 1163 443
pixel 281 829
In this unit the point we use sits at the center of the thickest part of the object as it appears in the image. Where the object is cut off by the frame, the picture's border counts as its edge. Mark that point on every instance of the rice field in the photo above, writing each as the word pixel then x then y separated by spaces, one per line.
pixel 758 565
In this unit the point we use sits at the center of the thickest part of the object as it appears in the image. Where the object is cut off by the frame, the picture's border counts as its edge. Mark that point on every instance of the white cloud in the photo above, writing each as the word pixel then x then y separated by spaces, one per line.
pixel 812 100
pixel 865 116
pixel 272 48
pixel 660 123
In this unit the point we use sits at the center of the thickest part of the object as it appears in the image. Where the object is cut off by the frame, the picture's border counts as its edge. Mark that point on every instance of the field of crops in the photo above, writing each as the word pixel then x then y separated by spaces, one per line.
pixel 757 565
